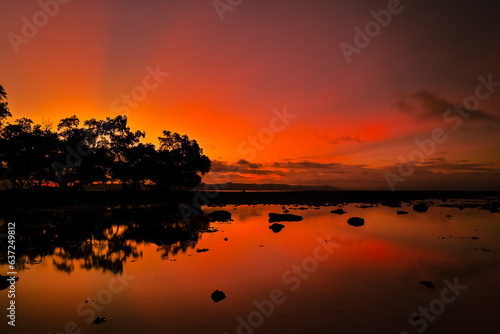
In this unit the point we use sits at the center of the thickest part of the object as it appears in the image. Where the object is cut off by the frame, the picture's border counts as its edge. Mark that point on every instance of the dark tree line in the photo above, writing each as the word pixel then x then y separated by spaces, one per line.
pixel 94 152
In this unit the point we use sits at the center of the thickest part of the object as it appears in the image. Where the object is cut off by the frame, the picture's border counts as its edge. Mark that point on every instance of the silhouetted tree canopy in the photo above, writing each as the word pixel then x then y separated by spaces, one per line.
pixel 180 161
pixel 97 152
pixel 4 109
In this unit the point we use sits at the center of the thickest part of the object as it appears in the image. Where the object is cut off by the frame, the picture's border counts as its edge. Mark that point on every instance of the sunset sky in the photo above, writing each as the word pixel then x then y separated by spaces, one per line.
pixel 350 118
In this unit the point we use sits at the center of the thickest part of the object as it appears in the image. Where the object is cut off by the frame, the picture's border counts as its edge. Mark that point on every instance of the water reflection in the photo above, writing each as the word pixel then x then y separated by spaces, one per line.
pixel 100 239
pixel 374 275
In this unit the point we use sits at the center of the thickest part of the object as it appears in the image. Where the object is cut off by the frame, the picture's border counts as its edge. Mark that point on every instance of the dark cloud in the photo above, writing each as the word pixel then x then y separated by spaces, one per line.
pixel 443 165
pixel 424 105
pixel 248 164
pixel 305 165
pixel 240 167
pixel 438 172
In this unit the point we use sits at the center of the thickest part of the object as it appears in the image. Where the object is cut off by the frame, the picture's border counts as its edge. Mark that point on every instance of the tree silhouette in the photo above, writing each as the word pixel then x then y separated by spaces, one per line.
pixel 141 165
pixel 99 152
pixel 4 113
pixel 27 152
pixel 181 161
pixel 4 109
pixel 90 161
pixel 114 135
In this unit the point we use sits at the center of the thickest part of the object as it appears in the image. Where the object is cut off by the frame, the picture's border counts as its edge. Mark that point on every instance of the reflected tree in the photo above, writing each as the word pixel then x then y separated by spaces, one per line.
pixel 93 240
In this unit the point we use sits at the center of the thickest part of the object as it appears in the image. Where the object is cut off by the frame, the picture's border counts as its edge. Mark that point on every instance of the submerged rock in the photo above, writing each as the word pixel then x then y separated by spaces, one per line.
pixel 217 296
pixel 284 217
pixel 402 212
pixel 276 227
pixel 356 221
pixel 420 207
pixel 428 284
pixel 100 320
pixel 339 211
pixel 220 216
pixel 202 250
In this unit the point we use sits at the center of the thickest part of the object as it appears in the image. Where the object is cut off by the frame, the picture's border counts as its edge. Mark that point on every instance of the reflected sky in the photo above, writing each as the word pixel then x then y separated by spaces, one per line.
pixel 149 258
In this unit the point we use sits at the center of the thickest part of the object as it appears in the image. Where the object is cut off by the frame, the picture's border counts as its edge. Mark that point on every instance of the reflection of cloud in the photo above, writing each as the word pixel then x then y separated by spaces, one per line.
pixel 424 105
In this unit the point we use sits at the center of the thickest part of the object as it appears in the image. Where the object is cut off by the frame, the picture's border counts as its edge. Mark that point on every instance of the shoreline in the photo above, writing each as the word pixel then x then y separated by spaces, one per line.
pixel 58 199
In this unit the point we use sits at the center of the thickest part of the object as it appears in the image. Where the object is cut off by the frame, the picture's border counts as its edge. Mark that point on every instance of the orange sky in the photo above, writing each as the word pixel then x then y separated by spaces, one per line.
pixel 352 120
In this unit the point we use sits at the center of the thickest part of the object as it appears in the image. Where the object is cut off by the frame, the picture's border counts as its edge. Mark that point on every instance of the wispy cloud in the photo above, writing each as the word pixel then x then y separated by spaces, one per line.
pixel 424 105
pixel 461 165
pixel 341 139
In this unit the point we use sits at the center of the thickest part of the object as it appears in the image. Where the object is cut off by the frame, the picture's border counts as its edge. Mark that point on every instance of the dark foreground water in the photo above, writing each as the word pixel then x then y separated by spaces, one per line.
pixel 144 270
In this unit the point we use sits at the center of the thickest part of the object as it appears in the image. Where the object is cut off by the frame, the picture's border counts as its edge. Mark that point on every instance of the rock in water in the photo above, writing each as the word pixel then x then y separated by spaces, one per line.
pixel 402 212
pixel 428 284
pixel 420 207
pixel 100 320
pixel 217 296
pixel 220 216
pixel 285 217
pixel 356 221
pixel 276 227
pixel 338 211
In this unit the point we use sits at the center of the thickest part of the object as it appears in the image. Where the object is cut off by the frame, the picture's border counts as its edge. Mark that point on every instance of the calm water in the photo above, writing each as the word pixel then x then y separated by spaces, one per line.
pixel 149 272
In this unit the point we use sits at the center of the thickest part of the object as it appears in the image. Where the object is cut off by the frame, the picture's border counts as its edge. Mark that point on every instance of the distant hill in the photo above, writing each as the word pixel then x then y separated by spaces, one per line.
pixel 264 187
